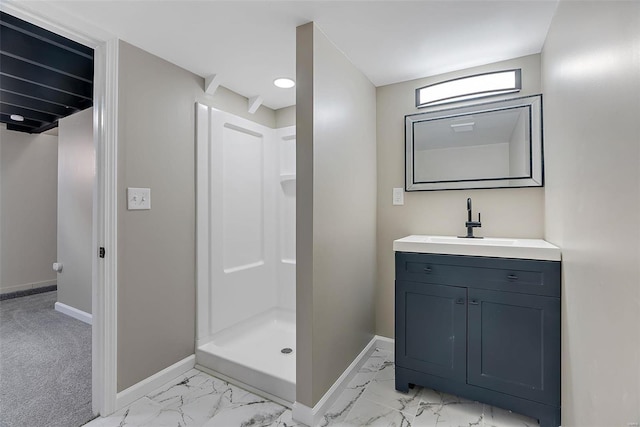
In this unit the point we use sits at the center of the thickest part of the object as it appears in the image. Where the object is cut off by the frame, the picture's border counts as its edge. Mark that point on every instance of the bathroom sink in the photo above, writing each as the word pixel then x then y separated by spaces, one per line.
pixel 459 241
pixel 489 246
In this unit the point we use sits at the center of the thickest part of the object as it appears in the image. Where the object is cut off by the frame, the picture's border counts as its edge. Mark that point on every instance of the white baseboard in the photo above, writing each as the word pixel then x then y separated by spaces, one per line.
pixel 312 416
pixel 73 312
pixel 146 386
pixel 301 413
pixel 384 343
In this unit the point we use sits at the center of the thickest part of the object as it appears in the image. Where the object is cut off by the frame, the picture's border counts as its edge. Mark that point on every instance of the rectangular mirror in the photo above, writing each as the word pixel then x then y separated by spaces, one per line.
pixel 489 145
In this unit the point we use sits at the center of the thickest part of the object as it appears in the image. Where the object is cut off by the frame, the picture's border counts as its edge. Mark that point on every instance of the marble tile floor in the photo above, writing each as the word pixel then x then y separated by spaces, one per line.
pixel 200 400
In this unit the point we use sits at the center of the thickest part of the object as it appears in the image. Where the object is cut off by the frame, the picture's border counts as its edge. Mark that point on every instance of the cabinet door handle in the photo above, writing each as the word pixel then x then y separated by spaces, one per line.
pixel 473 302
pixel 460 301
pixel 512 277
pixel 427 269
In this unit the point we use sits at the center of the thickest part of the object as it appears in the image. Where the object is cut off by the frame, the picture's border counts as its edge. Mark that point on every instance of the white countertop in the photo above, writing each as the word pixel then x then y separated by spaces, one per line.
pixel 489 246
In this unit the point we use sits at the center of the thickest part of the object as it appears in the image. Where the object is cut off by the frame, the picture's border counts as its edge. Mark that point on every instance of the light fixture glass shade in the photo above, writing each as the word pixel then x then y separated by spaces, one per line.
pixel 284 83
pixel 471 87
pixel 17 118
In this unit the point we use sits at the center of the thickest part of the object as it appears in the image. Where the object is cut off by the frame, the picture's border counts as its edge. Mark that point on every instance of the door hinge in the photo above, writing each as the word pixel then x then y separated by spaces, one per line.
pixel 101 252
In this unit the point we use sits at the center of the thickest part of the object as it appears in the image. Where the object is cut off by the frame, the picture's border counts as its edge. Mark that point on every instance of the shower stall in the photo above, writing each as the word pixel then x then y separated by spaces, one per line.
pixel 246 205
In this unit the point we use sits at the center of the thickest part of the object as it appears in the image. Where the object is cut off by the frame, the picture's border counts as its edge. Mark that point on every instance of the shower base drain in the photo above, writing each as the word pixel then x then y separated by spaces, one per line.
pixel 286 350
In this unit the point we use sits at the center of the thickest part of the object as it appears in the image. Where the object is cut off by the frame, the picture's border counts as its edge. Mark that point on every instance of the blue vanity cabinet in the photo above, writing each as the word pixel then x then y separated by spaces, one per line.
pixel 487 329
pixel 428 349
pixel 511 344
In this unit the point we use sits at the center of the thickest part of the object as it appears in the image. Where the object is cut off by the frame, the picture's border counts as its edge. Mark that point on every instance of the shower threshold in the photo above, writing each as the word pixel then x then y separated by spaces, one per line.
pixel 254 353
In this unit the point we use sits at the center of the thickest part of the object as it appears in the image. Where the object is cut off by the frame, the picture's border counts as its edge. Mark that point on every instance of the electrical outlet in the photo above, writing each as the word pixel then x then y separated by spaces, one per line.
pixel 138 198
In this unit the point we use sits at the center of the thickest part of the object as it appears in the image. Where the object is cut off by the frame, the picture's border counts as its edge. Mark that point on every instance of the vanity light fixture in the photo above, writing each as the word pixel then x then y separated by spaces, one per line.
pixel 471 87
pixel 17 118
pixel 284 83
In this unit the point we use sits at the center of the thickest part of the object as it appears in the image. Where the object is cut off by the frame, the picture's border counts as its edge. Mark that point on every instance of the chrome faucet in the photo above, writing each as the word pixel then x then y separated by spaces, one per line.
pixel 470 224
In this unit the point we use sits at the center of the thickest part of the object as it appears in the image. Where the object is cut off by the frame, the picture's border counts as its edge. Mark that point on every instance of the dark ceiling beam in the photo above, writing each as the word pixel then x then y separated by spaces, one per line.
pixel 45 127
pixel 41 76
pixel 35 31
pixel 34 104
pixel 46 55
pixel 27 113
pixel 27 123
pixel 11 84
pixel 19 128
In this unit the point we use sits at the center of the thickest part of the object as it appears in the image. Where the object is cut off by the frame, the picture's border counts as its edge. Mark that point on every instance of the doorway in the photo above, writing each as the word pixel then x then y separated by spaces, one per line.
pixel 48 174
pixel 104 229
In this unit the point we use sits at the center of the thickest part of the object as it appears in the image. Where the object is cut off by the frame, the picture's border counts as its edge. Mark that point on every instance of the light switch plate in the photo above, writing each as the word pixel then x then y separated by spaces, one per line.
pixel 398 196
pixel 138 198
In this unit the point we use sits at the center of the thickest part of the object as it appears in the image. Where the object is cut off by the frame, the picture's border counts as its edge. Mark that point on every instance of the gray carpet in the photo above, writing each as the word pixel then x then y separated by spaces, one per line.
pixel 45 365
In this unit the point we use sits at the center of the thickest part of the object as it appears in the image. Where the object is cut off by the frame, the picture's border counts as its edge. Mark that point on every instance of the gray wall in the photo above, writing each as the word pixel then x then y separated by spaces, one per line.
pixel 505 212
pixel 591 82
pixel 76 173
pixel 156 248
pixel 28 192
pixel 336 213
pixel 286 117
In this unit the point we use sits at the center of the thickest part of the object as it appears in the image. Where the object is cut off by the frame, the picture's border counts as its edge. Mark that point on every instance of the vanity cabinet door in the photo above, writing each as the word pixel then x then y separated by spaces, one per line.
pixel 431 329
pixel 514 344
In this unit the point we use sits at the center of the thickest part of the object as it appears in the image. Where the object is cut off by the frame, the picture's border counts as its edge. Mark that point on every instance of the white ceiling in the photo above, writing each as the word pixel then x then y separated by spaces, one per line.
pixel 250 43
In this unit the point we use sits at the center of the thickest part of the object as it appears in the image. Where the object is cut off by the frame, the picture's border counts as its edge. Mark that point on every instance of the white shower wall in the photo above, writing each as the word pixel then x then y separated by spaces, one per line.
pixel 245 220
pixel 286 142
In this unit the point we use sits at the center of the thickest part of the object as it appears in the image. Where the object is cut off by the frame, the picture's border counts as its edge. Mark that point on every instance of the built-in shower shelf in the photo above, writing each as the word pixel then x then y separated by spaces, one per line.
pixel 284 177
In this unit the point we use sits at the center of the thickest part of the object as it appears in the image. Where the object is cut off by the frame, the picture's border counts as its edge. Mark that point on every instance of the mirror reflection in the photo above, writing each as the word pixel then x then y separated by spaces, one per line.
pixel 485 146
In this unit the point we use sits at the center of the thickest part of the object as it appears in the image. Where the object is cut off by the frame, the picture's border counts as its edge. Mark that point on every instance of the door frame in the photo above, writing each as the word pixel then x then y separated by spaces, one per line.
pixel 105 201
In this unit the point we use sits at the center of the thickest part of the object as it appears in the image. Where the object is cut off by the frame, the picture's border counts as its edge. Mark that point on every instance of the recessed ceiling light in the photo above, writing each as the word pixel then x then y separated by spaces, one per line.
pixel 284 83
pixel 463 127
pixel 17 118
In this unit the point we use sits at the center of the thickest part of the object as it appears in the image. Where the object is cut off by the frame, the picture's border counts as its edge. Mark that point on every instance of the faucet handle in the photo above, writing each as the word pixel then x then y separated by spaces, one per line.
pixel 479 217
